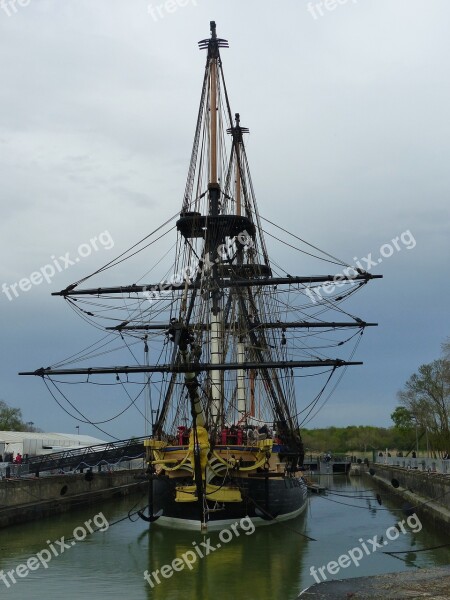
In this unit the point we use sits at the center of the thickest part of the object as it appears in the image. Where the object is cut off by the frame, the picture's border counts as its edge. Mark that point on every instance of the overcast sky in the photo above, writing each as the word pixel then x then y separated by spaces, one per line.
pixel 348 108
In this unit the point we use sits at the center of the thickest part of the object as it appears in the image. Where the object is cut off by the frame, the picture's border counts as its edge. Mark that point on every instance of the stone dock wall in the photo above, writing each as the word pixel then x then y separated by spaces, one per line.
pixel 23 500
pixel 428 493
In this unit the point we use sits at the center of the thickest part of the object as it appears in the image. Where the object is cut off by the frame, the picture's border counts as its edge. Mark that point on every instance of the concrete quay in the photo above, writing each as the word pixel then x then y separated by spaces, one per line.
pixel 427 493
pixel 432 584
pixel 23 500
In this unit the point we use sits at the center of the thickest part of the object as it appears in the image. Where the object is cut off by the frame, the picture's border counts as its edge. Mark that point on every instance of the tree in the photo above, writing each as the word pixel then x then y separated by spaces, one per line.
pixel 354 438
pixel 403 418
pixel 10 418
pixel 426 396
pixel 405 426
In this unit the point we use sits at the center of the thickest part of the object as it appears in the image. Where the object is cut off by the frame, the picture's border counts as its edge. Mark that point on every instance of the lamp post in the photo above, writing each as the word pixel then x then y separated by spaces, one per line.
pixel 417 435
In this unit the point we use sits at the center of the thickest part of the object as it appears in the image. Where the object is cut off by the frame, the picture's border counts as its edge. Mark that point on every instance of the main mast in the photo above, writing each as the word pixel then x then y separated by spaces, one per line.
pixel 212 241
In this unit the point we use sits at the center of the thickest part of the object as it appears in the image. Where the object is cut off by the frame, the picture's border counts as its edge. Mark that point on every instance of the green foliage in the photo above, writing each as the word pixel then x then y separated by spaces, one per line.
pixel 405 426
pixel 403 418
pixel 354 438
pixel 10 418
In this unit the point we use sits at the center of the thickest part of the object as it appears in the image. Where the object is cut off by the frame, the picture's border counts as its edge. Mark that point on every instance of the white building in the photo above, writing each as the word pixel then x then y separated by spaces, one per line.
pixel 35 444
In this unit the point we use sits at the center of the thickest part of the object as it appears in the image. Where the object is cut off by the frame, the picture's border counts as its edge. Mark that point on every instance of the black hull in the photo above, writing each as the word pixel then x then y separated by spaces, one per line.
pixel 265 501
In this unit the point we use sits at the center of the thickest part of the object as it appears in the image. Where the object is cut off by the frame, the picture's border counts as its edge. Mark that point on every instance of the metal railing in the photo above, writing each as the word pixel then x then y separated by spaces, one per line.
pixel 322 457
pixel 89 457
pixel 111 456
pixel 13 470
pixel 431 465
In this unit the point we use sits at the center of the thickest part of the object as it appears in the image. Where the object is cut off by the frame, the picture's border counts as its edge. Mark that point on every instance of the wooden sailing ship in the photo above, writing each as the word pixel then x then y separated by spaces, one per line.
pixel 225 440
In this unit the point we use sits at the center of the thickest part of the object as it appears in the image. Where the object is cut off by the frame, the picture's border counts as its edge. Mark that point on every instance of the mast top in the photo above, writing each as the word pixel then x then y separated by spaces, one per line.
pixel 237 131
pixel 213 43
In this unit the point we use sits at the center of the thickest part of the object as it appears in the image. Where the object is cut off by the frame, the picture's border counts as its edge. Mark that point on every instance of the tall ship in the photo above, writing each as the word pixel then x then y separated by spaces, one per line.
pixel 220 345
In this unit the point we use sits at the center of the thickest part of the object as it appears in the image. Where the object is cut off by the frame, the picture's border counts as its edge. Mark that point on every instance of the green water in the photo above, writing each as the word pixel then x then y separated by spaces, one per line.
pixel 272 563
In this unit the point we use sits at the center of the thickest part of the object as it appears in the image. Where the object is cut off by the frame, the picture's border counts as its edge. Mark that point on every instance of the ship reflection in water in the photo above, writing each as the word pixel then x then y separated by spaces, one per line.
pixel 251 562
pixel 273 563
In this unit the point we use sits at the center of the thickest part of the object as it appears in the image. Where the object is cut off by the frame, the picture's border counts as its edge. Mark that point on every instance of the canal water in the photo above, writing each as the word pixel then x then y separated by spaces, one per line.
pixel 270 563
